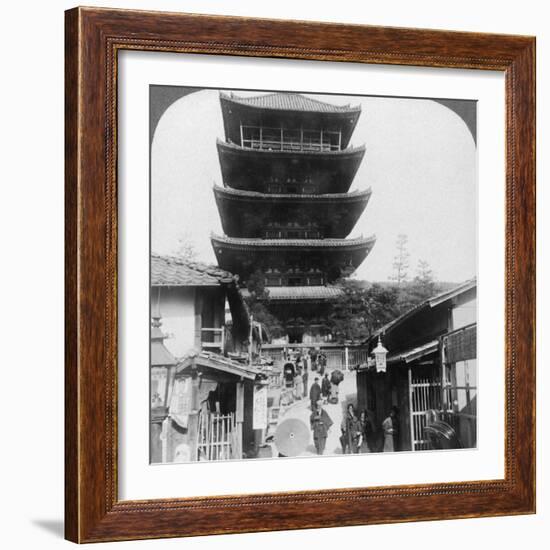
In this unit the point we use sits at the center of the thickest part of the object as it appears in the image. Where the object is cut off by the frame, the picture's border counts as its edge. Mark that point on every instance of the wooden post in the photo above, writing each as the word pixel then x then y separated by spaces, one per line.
pixel 164 439
pixel 346 355
pixel 443 374
pixel 250 340
pixel 411 416
pixel 239 418
pixel 198 320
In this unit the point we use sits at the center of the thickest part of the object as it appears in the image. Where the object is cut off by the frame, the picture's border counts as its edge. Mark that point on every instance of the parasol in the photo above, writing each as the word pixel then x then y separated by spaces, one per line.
pixel 291 437
pixel 337 376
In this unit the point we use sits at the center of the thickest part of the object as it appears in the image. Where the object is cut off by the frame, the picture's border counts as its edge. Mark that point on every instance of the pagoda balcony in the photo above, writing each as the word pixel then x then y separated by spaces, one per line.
pixel 284 139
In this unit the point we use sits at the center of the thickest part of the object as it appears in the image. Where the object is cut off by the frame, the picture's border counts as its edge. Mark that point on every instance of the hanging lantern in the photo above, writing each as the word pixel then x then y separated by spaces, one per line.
pixel 380 353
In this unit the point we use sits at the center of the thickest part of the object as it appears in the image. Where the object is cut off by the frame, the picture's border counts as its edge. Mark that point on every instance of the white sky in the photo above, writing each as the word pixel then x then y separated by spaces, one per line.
pixel 420 162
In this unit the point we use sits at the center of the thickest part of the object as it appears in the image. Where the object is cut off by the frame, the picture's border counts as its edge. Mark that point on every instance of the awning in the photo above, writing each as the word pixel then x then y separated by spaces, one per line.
pixel 414 353
pixel 219 362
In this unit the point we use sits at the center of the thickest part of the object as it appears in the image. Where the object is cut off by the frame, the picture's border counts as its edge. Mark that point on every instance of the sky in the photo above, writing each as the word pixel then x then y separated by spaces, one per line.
pixel 420 162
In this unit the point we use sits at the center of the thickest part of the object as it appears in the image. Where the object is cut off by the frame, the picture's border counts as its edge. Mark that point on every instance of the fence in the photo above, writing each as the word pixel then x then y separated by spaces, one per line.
pixel 345 358
pixel 215 436
pixel 425 395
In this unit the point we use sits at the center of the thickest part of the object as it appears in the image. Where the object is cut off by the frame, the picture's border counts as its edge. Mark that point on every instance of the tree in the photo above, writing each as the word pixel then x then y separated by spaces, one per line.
pixel 422 287
pixel 401 260
pixel 360 310
pixel 258 296
pixel 424 277
pixel 185 248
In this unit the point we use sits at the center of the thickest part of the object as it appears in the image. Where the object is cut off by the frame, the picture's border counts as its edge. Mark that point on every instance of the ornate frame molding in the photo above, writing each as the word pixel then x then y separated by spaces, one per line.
pixel 93 39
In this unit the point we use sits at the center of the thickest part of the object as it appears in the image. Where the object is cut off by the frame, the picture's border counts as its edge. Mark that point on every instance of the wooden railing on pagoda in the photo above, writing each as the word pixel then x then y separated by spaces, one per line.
pixel 281 139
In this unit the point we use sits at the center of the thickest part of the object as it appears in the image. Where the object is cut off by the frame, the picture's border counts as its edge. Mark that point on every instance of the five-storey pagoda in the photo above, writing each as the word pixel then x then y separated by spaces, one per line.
pixel 285 204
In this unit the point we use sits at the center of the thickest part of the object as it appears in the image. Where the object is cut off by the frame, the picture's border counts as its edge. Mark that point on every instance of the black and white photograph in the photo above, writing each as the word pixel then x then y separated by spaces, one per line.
pixel 313 274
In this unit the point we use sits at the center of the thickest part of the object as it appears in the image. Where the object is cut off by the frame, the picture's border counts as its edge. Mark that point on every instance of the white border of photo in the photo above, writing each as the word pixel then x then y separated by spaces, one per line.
pixel 137 478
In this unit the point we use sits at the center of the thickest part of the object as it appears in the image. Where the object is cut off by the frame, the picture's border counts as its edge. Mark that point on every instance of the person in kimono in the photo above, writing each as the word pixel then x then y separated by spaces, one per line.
pixel 320 423
pixel 314 393
pixel 390 429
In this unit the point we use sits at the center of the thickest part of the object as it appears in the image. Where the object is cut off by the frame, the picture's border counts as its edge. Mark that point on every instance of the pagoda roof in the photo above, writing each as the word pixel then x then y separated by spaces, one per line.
pixel 255 196
pixel 250 213
pixel 175 271
pixel 290 102
pixel 313 293
pixel 298 244
pixel 249 169
pixel 333 257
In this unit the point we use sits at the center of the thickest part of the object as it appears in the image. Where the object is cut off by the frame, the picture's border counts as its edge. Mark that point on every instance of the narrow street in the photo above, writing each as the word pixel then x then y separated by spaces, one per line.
pixel 301 410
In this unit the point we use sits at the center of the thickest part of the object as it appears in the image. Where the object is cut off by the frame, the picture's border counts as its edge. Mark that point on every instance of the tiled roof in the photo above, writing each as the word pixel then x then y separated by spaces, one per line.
pixel 352 196
pixel 294 243
pixel 302 292
pixel 174 271
pixel 291 102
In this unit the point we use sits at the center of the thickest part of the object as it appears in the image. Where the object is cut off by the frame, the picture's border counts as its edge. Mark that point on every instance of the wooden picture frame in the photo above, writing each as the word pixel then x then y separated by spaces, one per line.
pixel 93 511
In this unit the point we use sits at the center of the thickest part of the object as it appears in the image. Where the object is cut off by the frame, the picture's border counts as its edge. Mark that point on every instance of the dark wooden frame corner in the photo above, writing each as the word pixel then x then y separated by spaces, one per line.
pixel 93 38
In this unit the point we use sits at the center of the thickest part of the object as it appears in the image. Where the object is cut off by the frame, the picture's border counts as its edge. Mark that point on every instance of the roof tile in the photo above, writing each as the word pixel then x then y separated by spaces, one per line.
pixel 291 102
pixel 174 271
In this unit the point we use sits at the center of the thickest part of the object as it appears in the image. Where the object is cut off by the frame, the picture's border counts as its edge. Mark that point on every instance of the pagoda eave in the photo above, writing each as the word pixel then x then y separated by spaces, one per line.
pixel 248 213
pixel 244 244
pixel 336 257
pixel 348 152
pixel 310 294
pixel 240 195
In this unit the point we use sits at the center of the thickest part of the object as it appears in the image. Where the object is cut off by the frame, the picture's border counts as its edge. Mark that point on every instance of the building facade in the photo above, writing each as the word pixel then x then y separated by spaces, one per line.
pixel 285 206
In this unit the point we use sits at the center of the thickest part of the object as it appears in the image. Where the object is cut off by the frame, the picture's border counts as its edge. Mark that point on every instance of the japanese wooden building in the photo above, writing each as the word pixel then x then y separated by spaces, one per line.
pixel 431 366
pixel 201 395
pixel 285 206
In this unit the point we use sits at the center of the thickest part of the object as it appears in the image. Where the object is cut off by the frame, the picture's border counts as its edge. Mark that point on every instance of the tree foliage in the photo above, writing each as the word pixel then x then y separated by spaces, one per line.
pixel 422 287
pixel 401 260
pixel 360 309
pixel 258 296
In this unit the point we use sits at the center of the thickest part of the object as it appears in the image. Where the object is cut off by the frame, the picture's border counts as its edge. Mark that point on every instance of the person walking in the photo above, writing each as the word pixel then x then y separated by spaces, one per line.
pixel 325 387
pixel 305 375
pixel 298 385
pixel 320 423
pixel 322 363
pixel 390 429
pixel 314 393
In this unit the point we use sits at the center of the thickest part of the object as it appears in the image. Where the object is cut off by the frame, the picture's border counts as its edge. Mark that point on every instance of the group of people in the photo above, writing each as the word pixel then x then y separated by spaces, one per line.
pixel 303 364
pixel 358 435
